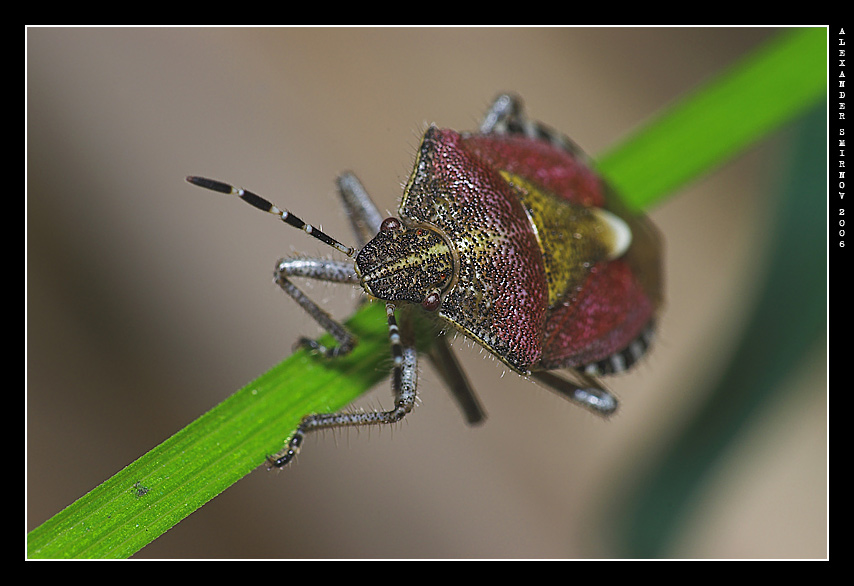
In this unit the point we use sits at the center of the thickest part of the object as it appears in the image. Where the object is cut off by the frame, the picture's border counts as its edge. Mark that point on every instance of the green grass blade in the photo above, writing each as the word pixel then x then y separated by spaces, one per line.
pixel 720 119
pixel 788 322
pixel 158 490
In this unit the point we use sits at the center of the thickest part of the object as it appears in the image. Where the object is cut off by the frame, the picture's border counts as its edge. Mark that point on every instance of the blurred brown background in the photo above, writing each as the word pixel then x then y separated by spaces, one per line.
pixel 149 301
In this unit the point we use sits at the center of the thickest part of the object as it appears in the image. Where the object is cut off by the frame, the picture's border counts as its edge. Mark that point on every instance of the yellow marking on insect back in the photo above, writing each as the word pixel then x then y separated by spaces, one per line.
pixel 418 257
pixel 572 237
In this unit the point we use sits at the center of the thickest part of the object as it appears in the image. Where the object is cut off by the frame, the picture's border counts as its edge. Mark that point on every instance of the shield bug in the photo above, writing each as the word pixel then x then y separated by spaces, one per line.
pixel 506 235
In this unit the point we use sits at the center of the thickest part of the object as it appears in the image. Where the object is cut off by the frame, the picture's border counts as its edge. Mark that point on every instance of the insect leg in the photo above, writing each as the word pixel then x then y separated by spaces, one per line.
pixel 325 270
pixel 507 116
pixel 504 109
pixel 403 384
pixel 449 369
pixel 362 211
pixel 592 396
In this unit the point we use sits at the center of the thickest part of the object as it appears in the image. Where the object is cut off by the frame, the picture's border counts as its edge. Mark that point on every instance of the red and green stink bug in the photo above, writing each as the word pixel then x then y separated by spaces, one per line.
pixel 508 236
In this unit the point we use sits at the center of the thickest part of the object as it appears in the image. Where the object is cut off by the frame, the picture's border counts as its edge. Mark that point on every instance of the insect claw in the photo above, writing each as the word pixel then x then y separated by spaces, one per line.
pixel 309 344
pixel 598 400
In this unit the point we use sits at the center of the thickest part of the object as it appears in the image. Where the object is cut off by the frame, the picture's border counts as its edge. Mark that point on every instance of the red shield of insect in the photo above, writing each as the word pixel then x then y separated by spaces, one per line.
pixel 550 272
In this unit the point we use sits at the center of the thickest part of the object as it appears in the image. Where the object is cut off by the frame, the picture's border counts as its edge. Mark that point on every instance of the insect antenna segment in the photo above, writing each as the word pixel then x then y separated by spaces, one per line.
pixel 266 206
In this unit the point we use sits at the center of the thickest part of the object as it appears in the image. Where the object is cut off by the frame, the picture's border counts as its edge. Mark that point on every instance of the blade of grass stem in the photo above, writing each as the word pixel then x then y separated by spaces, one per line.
pixel 721 118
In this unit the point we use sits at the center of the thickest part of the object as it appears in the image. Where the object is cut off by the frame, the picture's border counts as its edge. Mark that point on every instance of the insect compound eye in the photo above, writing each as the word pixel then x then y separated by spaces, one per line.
pixel 391 224
pixel 432 301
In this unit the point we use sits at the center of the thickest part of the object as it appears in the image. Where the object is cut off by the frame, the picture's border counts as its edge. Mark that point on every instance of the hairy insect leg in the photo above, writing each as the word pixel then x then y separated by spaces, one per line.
pixel 591 395
pixel 443 359
pixel 324 270
pixel 404 381
pixel 327 270
pixel 505 110
pixel 364 216
pixel 507 116
pixel 361 210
